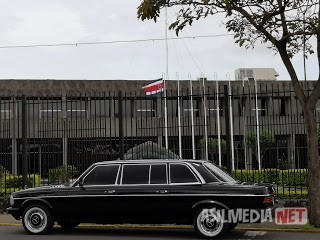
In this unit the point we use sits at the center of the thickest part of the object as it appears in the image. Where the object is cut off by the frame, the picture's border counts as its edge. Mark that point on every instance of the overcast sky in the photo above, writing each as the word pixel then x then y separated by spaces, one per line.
pixel 69 21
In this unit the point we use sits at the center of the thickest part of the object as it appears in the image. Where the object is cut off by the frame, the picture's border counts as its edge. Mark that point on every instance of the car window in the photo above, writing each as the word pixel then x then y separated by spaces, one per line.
pixel 217 172
pixel 135 174
pixel 102 175
pixel 158 174
pixel 180 173
pixel 205 173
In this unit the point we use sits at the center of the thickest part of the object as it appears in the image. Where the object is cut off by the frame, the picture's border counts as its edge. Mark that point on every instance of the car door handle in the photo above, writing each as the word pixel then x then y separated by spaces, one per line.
pixel 162 191
pixel 110 192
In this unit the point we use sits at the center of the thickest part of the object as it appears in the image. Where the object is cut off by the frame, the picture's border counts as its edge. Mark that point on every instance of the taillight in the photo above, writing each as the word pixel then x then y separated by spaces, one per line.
pixel 268 200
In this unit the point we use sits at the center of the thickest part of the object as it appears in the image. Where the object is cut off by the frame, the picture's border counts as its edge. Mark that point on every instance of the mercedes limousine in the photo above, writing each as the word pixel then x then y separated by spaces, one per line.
pixel 141 192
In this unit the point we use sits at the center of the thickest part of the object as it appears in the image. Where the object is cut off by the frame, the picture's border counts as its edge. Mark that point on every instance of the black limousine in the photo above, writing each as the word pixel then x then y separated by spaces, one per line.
pixel 141 191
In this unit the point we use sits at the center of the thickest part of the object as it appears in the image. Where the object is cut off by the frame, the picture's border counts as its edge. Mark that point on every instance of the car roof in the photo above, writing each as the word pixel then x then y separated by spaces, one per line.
pixel 149 161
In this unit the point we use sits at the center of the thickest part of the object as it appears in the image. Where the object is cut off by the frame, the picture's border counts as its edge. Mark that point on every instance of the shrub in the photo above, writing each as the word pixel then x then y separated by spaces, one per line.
pixel 2 173
pixel 62 174
pixel 15 182
pixel 290 177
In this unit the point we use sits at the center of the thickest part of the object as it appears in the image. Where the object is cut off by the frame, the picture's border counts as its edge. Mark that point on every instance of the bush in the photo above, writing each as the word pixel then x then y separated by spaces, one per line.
pixel 15 182
pixel 2 173
pixel 290 177
pixel 62 174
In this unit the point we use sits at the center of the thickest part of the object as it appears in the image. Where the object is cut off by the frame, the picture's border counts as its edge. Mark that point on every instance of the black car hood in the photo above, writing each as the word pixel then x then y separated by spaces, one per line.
pixel 40 190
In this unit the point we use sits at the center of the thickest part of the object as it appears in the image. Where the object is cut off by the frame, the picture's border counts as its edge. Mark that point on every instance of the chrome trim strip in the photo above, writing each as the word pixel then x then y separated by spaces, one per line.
pixel 146 195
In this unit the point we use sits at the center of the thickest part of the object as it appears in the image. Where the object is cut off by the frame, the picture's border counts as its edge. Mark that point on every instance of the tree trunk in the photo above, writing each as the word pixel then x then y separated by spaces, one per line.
pixel 313 167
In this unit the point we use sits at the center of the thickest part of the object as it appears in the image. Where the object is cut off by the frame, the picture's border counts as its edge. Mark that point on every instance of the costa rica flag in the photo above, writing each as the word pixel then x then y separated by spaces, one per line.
pixel 154 87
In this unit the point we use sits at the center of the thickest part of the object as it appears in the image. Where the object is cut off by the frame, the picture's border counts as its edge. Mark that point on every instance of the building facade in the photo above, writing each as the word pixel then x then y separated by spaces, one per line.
pixel 77 122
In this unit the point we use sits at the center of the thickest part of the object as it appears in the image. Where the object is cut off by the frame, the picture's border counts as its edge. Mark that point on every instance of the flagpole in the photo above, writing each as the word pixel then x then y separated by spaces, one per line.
pixel 231 126
pixel 258 127
pixel 245 125
pixel 164 81
pixel 218 121
pixel 205 118
pixel 192 120
pixel 179 118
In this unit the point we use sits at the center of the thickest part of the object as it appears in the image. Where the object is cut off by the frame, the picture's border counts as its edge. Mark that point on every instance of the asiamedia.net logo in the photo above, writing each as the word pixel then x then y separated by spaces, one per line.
pixel 281 216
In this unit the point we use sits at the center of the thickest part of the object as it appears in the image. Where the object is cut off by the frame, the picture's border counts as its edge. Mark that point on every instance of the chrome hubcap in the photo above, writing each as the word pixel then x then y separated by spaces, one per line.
pixel 35 220
pixel 210 223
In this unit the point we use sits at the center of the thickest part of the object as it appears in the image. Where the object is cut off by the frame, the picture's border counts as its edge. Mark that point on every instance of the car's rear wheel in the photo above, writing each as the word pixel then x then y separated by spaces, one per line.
pixel 209 222
pixel 68 225
pixel 37 219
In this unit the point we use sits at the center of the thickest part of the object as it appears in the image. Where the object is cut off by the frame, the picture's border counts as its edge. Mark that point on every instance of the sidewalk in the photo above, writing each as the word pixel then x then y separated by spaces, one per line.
pixel 8 220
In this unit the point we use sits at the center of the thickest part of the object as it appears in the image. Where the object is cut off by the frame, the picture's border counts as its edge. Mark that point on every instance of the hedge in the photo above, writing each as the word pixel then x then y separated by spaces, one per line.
pixel 290 177
pixel 13 183
pixel 62 174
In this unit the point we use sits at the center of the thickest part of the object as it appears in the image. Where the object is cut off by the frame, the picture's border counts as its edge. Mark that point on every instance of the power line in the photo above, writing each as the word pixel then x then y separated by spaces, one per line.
pixel 112 42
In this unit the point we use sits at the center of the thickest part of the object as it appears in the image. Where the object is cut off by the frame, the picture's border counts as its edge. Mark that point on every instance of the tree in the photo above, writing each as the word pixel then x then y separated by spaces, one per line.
pixel 267 139
pixel 213 147
pixel 284 26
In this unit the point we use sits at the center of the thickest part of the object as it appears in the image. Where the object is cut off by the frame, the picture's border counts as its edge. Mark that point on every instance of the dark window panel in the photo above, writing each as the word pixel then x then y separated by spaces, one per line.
pixel 180 173
pixel 135 174
pixel 102 175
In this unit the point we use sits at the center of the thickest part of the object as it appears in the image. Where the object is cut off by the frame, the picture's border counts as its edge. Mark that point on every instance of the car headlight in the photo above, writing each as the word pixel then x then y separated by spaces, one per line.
pixel 11 200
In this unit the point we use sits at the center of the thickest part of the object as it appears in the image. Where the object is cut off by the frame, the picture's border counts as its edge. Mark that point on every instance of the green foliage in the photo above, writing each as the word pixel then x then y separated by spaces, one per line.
pixel 2 173
pixel 253 22
pixel 213 146
pixel 62 174
pixel 266 139
pixel 15 182
pixel 290 177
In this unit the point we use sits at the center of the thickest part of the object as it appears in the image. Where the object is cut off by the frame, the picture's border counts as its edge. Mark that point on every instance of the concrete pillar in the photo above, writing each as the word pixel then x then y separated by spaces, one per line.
pixel 65 150
pixel 14 156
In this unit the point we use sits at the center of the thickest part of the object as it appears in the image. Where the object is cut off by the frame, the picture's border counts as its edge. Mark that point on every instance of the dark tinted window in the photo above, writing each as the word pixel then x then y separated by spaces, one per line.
pixel 102 175
pixel 135 174
pixel 181 174
pixel 158 174
pixel 205 173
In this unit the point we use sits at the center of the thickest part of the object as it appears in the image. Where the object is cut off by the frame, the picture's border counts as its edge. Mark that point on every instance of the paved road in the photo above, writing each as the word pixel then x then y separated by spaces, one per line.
pixel 14 233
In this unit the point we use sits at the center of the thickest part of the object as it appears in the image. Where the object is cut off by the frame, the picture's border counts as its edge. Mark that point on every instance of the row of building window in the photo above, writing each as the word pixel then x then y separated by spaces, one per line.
pixel 141 107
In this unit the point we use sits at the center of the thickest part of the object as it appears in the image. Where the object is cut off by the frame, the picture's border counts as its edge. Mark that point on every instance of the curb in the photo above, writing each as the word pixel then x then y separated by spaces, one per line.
pixel 172 227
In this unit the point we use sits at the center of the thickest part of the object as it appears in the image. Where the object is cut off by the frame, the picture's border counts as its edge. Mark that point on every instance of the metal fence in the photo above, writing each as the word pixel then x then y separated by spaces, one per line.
pixel 255 132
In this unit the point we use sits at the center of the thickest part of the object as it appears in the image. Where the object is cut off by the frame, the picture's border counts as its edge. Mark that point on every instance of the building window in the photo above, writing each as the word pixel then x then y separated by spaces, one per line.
pixel 212 107
pixel 262 106
pixel 187 108
pixel 238 105
pixel 100 107
pixel 50 108
pixel 6 109
pixel 279 106
pixel 76 108
pixel 146 107
pixel 127 108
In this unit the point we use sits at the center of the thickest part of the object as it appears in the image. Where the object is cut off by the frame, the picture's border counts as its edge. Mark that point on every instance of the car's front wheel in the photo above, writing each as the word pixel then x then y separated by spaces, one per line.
pixel 209 222
pixel 37 219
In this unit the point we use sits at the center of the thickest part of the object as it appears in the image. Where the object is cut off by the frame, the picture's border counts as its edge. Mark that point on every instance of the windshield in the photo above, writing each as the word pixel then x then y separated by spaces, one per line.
pixel 220 174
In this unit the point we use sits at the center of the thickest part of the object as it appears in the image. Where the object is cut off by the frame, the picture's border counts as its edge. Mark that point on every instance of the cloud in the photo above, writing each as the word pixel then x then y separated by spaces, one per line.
pixel 62 21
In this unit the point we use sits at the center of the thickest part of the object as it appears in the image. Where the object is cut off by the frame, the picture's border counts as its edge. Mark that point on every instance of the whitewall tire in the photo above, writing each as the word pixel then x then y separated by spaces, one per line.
pixel 209 222
pixel 37 219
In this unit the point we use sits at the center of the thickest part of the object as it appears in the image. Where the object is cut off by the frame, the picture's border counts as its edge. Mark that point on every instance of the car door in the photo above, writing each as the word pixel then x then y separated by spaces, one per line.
pixel 96 200
pixel 144 191
pixel 184 191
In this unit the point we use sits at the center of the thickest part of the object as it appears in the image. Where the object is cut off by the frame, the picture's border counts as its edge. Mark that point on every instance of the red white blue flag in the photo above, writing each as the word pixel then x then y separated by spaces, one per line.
pixel 154 87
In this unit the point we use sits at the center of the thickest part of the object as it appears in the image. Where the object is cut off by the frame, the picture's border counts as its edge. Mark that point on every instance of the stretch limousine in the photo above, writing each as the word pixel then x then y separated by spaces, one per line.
pixel 143 192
